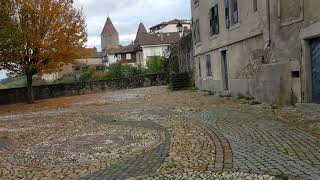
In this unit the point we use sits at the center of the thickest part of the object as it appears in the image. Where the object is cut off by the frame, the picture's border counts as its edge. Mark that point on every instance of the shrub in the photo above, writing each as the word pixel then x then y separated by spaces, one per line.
pixel 118 70
pixel 66 79
pixel 157 64
pixel 86 74
pixel 97 76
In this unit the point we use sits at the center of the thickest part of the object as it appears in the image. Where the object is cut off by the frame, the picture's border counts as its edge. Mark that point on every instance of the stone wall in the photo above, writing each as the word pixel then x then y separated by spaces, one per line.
pixel 17 95
pixel 181 58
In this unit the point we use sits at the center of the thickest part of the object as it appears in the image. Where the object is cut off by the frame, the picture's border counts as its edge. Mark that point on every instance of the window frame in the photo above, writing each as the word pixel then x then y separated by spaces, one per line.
pixel 196 34
pixel 119 57
pixel 128 56
pixel 195 3
pixel 214 26
pixel 229 13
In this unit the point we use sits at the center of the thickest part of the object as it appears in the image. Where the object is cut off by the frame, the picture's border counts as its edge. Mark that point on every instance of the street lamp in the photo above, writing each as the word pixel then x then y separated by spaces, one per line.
pixel 179 28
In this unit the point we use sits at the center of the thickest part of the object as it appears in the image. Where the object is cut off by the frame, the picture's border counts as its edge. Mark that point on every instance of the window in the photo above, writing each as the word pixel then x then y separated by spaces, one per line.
pixel 128 56
pixel 199 67
pixel 196 32
pixel 231 12
pixel 195 3
pixel 255 5
pixel 214 20
pixel 208 63
pixel 119 56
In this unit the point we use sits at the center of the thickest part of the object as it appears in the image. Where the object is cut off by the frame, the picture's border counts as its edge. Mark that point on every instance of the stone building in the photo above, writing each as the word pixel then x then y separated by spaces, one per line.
pixel 109 36
pixel 268 49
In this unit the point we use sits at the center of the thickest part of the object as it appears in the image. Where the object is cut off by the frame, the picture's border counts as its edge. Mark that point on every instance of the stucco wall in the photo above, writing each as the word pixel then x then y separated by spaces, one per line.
pixel 171 28
pixel 149 51
pixel 292 25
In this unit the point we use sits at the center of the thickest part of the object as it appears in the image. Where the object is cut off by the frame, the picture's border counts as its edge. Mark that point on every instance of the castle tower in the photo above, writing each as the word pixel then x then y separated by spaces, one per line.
pixel 109 36
pixel 141 31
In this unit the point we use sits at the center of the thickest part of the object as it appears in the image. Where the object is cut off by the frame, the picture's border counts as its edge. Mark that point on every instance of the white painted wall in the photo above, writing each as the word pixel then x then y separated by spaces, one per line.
pixel 172 28
pixel 149 51
pixel 111 59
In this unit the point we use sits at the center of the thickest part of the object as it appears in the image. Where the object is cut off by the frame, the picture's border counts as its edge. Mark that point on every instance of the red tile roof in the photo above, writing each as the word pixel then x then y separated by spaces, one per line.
pixel 109 28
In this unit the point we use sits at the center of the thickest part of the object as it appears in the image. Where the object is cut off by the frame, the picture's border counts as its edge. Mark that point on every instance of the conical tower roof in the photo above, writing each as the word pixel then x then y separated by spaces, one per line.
pixel 141 31
pixel 109 28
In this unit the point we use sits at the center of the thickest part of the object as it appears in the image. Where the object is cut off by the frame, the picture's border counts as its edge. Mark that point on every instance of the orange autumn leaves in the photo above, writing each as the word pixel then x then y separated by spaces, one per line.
pixel 52 33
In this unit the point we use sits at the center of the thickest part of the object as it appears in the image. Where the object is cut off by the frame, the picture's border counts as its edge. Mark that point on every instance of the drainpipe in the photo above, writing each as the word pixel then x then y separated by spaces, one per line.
pixel 268 25
pixel 267 47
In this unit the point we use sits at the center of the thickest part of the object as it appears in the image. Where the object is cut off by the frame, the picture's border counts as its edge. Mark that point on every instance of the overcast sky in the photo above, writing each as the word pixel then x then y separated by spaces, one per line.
pixel 126 16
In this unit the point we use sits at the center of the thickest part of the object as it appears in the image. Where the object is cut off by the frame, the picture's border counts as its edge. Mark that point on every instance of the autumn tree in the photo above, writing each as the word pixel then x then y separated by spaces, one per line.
pixel 39 36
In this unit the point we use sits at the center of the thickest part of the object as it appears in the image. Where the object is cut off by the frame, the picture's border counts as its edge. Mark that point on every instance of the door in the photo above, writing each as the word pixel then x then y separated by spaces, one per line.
pixel 315 58
pixel 224 65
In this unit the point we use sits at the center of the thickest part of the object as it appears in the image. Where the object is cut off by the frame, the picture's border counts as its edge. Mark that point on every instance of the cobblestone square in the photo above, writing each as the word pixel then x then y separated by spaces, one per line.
pixel 153 133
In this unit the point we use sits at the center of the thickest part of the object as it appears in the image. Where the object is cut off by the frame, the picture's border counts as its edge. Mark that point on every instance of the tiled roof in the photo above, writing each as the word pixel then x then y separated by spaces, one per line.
pixel 129 49
pixel 159 38
pixel 109 28
pixel 141 31
pixel 112 50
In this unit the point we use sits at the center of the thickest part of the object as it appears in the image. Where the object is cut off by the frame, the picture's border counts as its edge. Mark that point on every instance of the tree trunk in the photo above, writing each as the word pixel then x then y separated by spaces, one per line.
pixel 30 90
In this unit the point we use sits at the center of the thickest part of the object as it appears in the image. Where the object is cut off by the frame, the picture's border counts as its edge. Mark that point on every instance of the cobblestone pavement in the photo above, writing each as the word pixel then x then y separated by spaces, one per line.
pixel 265 145
pixel 151 133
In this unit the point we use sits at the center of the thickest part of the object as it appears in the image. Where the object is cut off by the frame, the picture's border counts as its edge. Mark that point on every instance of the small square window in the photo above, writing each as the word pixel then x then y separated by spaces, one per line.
pixel 128 56
pixel 119 57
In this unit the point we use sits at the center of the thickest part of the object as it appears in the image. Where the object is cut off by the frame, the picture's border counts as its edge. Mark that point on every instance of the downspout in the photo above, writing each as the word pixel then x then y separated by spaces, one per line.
pixel 267 58
pixel 268 25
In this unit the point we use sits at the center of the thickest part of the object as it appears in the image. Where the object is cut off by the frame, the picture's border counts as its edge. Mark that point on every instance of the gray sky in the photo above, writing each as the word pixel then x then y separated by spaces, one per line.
pixel 126 16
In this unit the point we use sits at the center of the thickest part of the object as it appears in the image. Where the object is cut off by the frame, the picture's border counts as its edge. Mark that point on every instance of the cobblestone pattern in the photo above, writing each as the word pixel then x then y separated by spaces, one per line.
pixel 213 175
pixel 261 144
pixel 5 143
pixel 143 164
pixel 90 154
pixel 224 155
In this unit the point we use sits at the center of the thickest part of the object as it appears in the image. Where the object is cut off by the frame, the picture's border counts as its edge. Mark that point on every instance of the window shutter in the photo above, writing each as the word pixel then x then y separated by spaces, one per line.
pixel 227 11
pixel 211 21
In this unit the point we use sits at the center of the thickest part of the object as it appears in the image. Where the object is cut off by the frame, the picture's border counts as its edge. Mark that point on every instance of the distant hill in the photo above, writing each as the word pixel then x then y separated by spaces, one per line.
pixel 20 81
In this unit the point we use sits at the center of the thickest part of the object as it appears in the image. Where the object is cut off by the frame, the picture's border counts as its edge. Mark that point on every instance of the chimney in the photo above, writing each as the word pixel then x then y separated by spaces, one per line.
pixel 161 36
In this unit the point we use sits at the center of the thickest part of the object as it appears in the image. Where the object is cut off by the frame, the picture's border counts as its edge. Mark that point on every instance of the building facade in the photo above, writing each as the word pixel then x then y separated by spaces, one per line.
pixel 170 26
pixel 157 44
pixel 109 36
pixel 131 54
pixel 262 48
